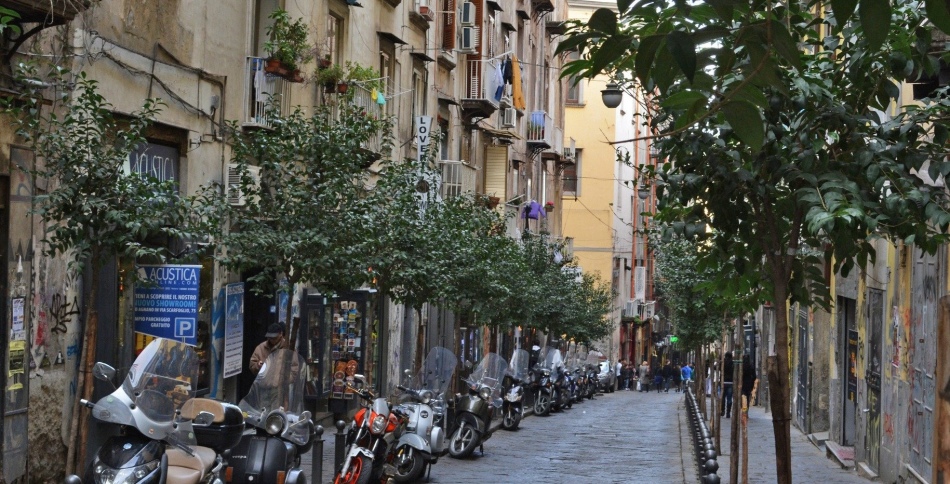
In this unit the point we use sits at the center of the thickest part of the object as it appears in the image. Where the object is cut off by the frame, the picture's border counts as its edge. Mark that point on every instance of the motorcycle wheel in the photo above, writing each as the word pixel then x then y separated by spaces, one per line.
pixel 360 472
pixel 542 405
pixel 410 469
pixel 510 421
pixel 463 441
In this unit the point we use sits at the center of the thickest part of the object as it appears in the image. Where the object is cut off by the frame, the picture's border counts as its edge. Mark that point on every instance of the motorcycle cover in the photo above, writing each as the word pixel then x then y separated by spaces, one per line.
pixel 519 365
pixel 158 383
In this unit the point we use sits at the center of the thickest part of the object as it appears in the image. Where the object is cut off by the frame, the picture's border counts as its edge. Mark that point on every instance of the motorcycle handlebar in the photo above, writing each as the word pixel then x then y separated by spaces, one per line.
pixel 86 403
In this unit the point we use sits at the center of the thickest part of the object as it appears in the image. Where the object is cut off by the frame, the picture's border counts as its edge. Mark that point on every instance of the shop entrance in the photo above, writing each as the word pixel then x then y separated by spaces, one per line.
pixel 848 354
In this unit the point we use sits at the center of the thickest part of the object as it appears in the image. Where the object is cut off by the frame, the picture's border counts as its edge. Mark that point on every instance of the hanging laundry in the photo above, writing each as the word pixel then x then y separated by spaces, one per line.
pixel 517 96
pixel 380 99
pixel 506 70
pixel 499 79
pixel 374 94
pixel 533 210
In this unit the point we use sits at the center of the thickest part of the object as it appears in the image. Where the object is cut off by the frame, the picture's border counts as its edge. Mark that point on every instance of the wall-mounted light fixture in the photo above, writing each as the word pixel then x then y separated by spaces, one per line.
pixel 612 95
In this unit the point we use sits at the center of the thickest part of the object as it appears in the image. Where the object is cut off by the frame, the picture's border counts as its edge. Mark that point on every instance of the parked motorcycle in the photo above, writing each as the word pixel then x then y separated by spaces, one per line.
pixel 156 409
pixel 474 410
pixel 512 405
pixel 283 430
pixel 544 389
pixel 370 439
pixel 424 395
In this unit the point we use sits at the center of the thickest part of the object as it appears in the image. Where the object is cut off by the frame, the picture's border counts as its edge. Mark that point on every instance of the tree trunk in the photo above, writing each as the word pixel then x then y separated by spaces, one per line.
pixel 717 390
pixel 420 340
pixel 292 329
pixel 777 369
pixel 76 451
pixel 745 440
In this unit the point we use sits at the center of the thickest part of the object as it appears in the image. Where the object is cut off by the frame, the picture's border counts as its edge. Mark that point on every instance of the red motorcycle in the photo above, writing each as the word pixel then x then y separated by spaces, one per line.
pixel 370 442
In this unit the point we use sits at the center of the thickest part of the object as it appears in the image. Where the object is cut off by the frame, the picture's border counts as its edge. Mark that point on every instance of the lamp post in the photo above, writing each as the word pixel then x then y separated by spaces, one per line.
pixel 612 95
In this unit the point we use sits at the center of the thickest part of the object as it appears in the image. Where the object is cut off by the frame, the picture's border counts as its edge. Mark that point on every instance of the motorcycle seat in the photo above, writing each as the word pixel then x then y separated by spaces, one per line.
pixel 184 468
pixel 192 407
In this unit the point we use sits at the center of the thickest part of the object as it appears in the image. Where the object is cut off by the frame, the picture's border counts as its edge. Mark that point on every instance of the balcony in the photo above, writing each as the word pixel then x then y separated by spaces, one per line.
pixel 478 99
pixel 260 90
pixel 540 134
pixel 49 12
pixel 363 98
pixel 457 178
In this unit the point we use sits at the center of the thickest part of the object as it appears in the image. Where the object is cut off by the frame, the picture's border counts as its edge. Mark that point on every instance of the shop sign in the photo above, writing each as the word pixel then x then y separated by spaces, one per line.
pixel 166 301
pixel 234 329
pixel 159 161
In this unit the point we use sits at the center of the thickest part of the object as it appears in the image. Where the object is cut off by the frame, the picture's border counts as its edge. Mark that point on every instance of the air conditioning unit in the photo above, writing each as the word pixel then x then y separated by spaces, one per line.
pixel 630 308
pixel 469 39
pixel 467 16
pixel 422 8
pixel 509 118
pixel 236 196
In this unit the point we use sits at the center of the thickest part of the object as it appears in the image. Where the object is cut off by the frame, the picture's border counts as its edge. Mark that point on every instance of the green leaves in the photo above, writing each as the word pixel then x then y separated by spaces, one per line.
pixel 746 121
pixel 876 20
pixel 938 13
pixel 604 21
pixel 843 10
pixel 683 50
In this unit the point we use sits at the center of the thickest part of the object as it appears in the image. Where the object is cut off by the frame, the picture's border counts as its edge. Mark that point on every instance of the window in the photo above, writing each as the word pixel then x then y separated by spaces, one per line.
pixel 387 70
pixel 448 24
pixel 334 38
pixel 419 75
pixel 571 176
pixel 443 138
pixel 574 92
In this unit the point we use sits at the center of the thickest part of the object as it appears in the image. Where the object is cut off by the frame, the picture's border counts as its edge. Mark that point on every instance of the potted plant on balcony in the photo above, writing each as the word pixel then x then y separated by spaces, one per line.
pixel 549 206
pixel 286 46
pixel 367 77
pixel 333 78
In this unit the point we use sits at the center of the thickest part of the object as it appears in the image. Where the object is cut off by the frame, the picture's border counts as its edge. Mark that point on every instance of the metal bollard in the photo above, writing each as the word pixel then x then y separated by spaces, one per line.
pixel 340 443
pixel 316 455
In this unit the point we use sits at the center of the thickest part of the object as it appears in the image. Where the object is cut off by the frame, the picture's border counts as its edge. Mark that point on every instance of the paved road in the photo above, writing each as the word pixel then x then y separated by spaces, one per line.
pixel 620 437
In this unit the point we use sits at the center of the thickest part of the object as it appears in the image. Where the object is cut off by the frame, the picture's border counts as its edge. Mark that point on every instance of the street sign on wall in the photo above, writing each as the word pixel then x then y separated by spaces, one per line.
pixel 166 301
pixel 233 329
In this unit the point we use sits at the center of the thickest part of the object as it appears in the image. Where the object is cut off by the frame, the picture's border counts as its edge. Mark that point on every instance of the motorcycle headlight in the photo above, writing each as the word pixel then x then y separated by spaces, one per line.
pixel 104 474
pixel 379 424
pixel 274 423
pixel 484 392
pixel 426 397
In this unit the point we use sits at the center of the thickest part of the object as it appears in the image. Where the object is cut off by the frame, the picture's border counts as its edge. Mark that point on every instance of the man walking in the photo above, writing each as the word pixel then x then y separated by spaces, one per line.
pixel 687 375
pixel 275 340
pixel 667 376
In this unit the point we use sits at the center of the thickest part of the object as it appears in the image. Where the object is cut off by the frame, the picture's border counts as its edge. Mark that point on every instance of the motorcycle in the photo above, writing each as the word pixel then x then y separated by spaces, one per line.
pixel 156 411
pixel 370 439
pixel 544 388
pixel 554 363
pixel 474 410
pixel 283 430
pixel 511 407
pixel 424 440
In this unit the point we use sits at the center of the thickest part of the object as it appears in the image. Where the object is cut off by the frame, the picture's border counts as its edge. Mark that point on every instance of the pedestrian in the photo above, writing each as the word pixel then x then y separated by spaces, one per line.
pixel 727 370
pixel 677 377
pixel 687 374
pixel 275 340
pixel 644 377
pixel 618 369
pixel 658 380
pixel 749 380
pixel 625 374
pixel 667 376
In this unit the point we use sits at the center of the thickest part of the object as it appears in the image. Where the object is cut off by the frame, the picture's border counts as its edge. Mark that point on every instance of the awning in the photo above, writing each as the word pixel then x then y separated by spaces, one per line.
pixel 421 56
pixel 500 133
pixel 445 98
pixel 391 37
pixel 492 4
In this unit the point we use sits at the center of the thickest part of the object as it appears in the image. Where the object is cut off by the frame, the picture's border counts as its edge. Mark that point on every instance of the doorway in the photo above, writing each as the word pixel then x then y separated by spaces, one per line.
pixel 848 348
pixel 874 330
pixel 801 409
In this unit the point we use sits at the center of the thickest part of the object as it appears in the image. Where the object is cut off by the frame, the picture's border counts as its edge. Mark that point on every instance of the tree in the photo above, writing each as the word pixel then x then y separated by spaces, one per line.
pixel 782 154
pixel 96 209
pixel 302 216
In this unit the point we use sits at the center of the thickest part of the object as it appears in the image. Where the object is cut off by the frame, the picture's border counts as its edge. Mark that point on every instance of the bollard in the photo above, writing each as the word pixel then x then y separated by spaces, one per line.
pixel 340 443
pixel 316 455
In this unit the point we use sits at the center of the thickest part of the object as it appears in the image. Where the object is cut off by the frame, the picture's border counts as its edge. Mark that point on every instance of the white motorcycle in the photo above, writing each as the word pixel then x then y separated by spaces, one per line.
pixel 424 405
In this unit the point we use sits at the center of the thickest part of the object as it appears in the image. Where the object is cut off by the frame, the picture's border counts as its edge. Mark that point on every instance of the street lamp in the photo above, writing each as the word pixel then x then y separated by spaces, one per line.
pixel 643 191
pixel 612 95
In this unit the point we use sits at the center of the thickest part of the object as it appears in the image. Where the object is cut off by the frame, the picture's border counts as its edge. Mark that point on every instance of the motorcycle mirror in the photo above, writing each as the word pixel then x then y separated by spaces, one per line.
pixel 104 372
pixel 305 415
pixel 204 418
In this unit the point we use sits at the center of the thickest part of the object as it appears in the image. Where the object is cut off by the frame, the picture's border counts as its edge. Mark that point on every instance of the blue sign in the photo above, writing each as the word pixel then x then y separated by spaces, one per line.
pixel 166 301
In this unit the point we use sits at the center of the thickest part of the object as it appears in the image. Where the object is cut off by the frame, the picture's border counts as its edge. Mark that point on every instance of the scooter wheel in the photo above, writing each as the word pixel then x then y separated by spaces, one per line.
pixel 464 441
pixel 409 468
pixel 359 472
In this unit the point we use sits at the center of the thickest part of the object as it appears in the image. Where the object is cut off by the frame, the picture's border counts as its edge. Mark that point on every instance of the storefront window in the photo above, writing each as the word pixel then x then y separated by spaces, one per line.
pixel 341 335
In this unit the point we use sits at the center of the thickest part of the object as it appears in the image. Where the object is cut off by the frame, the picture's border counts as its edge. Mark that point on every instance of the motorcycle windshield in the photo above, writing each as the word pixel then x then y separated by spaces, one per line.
pixel 436 372
pixel 158 383
pixel 279 384
pixel 553 359
pixel 519 364
pixel 593 359
pixel 489 373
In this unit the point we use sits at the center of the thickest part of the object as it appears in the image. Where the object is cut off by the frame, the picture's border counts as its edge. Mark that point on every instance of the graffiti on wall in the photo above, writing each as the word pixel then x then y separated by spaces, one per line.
pixel 54 310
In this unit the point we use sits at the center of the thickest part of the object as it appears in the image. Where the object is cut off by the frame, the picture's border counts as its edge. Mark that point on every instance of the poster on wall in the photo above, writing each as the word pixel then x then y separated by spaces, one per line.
pixel 17 332
pixel 234 329
pixel 166 301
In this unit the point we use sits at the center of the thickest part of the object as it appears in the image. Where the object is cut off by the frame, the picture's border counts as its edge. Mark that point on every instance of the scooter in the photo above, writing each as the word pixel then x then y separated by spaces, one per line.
pixel 282 429
pixel 157 414
pixel 370 440
pixel 512 409
pixel 424 406
pixel 474 410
